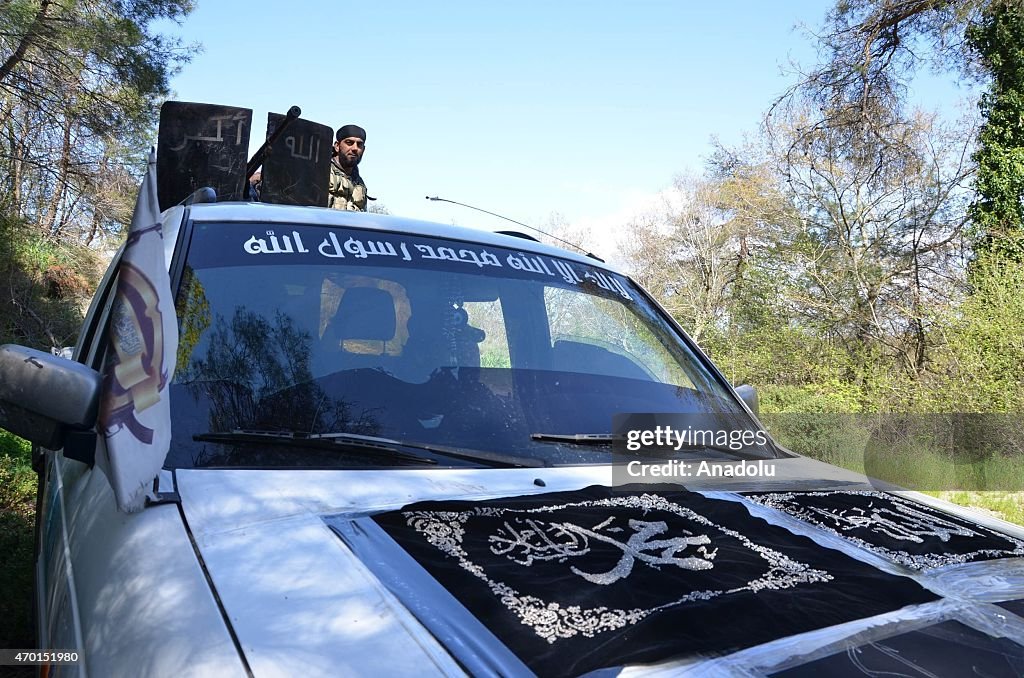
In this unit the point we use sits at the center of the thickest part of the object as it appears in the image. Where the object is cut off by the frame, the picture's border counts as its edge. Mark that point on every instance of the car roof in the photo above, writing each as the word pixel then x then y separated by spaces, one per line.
pixel 322 216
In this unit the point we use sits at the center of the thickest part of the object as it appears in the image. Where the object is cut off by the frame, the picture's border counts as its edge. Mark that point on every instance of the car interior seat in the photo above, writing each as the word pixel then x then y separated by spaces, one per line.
pixel 440 337
pixel 357 334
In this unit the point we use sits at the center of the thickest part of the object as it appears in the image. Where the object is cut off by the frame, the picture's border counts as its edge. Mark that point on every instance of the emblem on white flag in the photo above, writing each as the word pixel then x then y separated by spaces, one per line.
pixel 135 409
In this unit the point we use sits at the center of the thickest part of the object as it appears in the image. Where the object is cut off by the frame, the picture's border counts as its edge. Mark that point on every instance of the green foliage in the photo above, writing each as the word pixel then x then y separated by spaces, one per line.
pixel 16 542
pixel 495 358
pixel 80 88
pixel 1005 505
pixel 106 52
pixel 983 342
pixel 17 507
pixel 193 310
pixel 832 396
pixel 998 213
pixel 14 447
pixel 17 485
pixel 837 440
pixel 44 287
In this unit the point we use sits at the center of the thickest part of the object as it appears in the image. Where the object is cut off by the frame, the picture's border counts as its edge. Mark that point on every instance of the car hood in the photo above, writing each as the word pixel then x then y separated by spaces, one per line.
pixel 294 594
pixel 299 599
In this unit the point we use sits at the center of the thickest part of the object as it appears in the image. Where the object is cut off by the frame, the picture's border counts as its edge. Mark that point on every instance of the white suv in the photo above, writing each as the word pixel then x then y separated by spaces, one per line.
pixel 392 454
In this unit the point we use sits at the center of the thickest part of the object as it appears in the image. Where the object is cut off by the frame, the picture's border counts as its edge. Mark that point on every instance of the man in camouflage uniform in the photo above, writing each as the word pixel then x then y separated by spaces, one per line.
pixel 347 191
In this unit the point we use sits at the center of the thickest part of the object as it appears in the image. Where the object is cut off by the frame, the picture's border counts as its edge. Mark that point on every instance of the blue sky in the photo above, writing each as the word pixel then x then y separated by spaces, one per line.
pixel 586 109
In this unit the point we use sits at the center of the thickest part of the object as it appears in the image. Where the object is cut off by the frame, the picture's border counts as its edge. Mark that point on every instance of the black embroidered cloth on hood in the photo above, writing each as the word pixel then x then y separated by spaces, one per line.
pixel 576 581
pixel 905 532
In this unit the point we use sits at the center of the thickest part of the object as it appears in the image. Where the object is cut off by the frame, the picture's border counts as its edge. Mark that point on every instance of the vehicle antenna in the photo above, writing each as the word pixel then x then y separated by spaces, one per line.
pixel 532 228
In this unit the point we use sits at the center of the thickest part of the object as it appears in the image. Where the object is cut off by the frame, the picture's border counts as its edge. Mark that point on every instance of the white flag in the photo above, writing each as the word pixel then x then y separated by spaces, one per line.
pixel 135 416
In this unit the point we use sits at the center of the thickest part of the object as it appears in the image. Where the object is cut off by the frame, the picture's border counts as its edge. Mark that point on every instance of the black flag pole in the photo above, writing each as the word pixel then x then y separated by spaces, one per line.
pixel 257 159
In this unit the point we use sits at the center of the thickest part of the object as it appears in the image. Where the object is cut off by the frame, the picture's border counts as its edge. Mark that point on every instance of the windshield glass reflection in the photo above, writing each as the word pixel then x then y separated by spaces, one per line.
pixel 468 347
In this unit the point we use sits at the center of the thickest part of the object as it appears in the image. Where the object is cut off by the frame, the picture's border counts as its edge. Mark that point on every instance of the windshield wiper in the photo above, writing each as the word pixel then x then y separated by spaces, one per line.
pixel 608 439
pixel 383 446
pixel 493 458
pixel 578 438
pixel 392 448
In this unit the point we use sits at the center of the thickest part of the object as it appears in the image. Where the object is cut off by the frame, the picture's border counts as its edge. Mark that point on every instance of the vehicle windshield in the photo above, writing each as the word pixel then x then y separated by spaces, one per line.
pixel 288 333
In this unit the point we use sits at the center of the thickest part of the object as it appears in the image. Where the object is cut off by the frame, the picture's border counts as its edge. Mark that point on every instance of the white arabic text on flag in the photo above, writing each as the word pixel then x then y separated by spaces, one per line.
pixel 135 410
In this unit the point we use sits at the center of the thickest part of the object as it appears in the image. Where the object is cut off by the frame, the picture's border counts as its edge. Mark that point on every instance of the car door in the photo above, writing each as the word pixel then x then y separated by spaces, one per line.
pixel 57 619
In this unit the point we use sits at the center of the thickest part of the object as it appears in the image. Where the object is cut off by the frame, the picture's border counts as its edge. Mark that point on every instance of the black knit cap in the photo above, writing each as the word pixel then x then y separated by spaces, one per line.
pixel 350 131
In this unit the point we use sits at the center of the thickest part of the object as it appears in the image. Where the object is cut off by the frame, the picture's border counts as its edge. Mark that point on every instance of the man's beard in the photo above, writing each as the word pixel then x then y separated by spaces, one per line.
pixel 348 163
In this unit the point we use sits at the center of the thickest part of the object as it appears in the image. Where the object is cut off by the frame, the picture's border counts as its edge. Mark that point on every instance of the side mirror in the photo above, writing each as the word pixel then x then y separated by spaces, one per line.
pixel 748 394
pixel 44 397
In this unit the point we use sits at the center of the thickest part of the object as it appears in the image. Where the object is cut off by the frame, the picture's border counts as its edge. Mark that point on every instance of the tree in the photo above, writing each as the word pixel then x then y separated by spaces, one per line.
pixel 80 84
pixel 801 262
pixel 872 49
pixel 998 211
pixel 879 232
pixel 689 254
pixel 106 48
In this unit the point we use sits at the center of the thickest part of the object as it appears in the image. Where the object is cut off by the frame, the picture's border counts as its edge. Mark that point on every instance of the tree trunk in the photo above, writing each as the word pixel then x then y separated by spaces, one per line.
pixel 33 33
pixel 52 227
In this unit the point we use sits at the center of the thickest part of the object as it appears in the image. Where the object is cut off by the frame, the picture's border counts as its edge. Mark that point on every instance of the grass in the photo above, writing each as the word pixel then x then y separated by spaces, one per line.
pixel 909 453
pixel 993 484
pixel 1006 505
pixel 17 517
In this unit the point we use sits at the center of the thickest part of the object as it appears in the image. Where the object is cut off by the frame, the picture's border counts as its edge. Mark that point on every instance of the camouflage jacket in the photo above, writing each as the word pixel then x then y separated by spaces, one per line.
pixel 347 192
